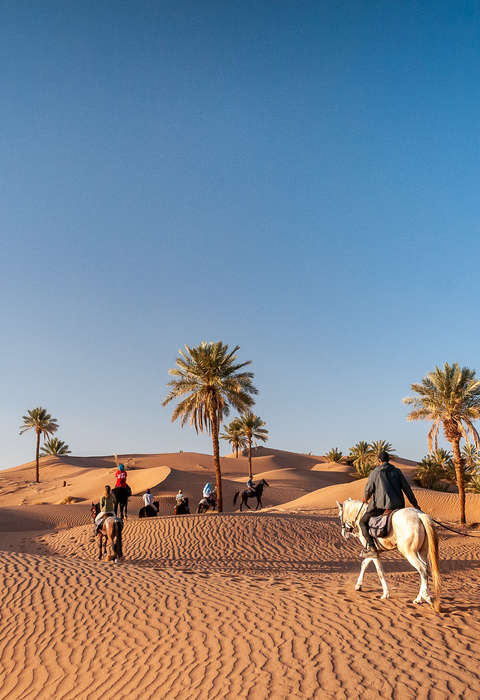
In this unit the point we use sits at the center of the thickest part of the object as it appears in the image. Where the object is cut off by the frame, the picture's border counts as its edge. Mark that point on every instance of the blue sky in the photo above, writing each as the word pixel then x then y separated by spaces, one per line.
pixel 297 178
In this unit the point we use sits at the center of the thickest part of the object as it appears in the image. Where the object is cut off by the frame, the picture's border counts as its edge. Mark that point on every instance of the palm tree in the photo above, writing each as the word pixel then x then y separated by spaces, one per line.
pixel 42 423
pixel 379 446
pixel 234 435
pixel 471 457
pixel 335 455
pixel 449 398
pixel 361 457
pixel 429 472
pixel 252 429
pixel 54 446
pixel 209 379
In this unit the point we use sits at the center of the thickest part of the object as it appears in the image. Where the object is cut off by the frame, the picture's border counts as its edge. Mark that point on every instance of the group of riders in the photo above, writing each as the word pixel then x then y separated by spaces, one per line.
pixel 109 502
pixel 384 492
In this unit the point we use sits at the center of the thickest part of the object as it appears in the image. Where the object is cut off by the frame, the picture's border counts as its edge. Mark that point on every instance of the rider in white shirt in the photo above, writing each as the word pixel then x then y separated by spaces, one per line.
pixel 148 498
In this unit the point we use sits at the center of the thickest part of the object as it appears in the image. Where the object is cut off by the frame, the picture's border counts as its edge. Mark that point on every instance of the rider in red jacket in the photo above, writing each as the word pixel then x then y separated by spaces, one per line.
pixel 121 477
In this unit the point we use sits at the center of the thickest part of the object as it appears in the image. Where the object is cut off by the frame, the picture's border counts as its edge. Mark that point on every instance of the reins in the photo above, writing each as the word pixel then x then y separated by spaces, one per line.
pixel 458 532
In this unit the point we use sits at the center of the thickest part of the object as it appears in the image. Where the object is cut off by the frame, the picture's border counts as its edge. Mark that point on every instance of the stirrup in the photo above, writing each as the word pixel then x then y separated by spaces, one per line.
pixel 369 551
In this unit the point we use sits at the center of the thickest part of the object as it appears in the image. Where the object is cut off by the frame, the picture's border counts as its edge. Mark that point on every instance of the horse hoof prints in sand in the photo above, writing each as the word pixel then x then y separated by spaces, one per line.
pixel 412 534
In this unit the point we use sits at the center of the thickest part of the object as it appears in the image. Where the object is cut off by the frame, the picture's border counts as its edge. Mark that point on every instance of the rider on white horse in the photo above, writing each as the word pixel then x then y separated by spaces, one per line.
pixel 385 486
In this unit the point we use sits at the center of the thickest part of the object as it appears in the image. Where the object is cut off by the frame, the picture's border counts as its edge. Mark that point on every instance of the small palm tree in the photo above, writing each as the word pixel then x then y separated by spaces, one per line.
pixel 252 429
pixel 335 455
pixel 362 459
pixel 42 423
pixel 54 446
pixel 429 472
pixel 379 446
pixel 207 382
pixel 449 397
pixel 471 457
pixel 234 435
pixel 473 485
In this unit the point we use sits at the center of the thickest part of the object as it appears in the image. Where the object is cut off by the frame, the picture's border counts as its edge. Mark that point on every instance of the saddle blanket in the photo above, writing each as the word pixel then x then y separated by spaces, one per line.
pixel 380 525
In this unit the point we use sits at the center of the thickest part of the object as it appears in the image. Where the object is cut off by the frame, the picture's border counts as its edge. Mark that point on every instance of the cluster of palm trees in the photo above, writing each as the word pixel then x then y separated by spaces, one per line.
pixel 449 397
pixel 208 380
pixel 242 431
pixel 437 470
pixel 363 455
pixel 43 425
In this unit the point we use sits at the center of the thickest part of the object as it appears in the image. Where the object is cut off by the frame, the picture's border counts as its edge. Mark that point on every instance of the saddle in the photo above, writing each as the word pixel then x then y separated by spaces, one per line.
pixel 380 525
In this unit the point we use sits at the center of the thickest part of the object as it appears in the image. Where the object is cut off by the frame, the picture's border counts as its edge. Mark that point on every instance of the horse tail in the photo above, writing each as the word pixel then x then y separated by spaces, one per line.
pixel 433 554
pixel 117 542
pixel 235 497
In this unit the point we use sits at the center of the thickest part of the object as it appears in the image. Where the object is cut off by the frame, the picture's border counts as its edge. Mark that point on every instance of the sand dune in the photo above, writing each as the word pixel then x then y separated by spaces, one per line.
pixel 254 605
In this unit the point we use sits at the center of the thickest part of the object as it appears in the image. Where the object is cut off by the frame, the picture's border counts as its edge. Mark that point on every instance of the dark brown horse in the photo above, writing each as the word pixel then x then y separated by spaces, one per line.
pixel 255 493
pixel 122 494
pixel 149 511
pixel 111 531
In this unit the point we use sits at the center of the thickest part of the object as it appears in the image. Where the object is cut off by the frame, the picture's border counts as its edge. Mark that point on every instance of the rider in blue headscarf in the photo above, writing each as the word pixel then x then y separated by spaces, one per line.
pixel 207 490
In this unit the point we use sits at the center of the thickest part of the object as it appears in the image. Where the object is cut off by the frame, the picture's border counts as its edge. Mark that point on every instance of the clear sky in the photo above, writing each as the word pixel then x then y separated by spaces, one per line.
pixel 299 178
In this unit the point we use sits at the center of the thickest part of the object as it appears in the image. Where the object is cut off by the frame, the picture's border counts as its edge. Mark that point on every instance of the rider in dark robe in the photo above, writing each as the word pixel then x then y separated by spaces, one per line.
pixel 385 487
pixel 251 486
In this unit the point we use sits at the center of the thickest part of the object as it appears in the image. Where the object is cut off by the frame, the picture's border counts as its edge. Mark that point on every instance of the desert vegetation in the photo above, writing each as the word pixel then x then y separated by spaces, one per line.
pixel 43 425
pixel 208 380
pixel 449 397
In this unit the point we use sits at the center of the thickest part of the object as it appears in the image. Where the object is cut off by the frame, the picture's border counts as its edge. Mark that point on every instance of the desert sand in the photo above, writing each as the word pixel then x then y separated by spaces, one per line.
pixel 251 605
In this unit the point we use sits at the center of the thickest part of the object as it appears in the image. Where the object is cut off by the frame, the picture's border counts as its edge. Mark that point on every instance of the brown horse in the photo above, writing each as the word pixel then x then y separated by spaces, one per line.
pixel 111 531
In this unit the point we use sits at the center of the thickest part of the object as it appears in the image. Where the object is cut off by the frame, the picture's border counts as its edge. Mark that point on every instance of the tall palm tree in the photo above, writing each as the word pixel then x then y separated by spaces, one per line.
pixel 54 446
pixel 210 380
pixel 234 435
pixel 252 429
pixel 378 446
pixel 42 423
pixel 449 397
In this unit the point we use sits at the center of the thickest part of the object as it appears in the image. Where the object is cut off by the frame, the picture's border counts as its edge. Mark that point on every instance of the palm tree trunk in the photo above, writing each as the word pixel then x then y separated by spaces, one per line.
pixel 37 459
pixel 460 476
pixel 236 452
pixel 250 458
pixel 216 459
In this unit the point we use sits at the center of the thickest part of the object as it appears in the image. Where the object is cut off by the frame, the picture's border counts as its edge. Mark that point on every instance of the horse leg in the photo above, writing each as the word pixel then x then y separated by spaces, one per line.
pixel 381 576
pixel 259 503
pixel 363 568
pixel 417 562
pixel 99 537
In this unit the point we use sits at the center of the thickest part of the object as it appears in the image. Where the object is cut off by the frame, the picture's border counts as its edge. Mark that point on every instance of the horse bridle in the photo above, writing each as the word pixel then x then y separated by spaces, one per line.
pixel 347 527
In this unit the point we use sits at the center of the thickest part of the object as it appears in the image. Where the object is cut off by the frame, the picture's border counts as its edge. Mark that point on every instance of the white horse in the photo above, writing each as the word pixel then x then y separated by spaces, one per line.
pixel 412 533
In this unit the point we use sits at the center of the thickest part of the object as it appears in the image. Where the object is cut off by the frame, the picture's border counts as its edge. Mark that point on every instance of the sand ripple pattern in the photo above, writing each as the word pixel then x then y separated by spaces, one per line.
pixel 250 606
